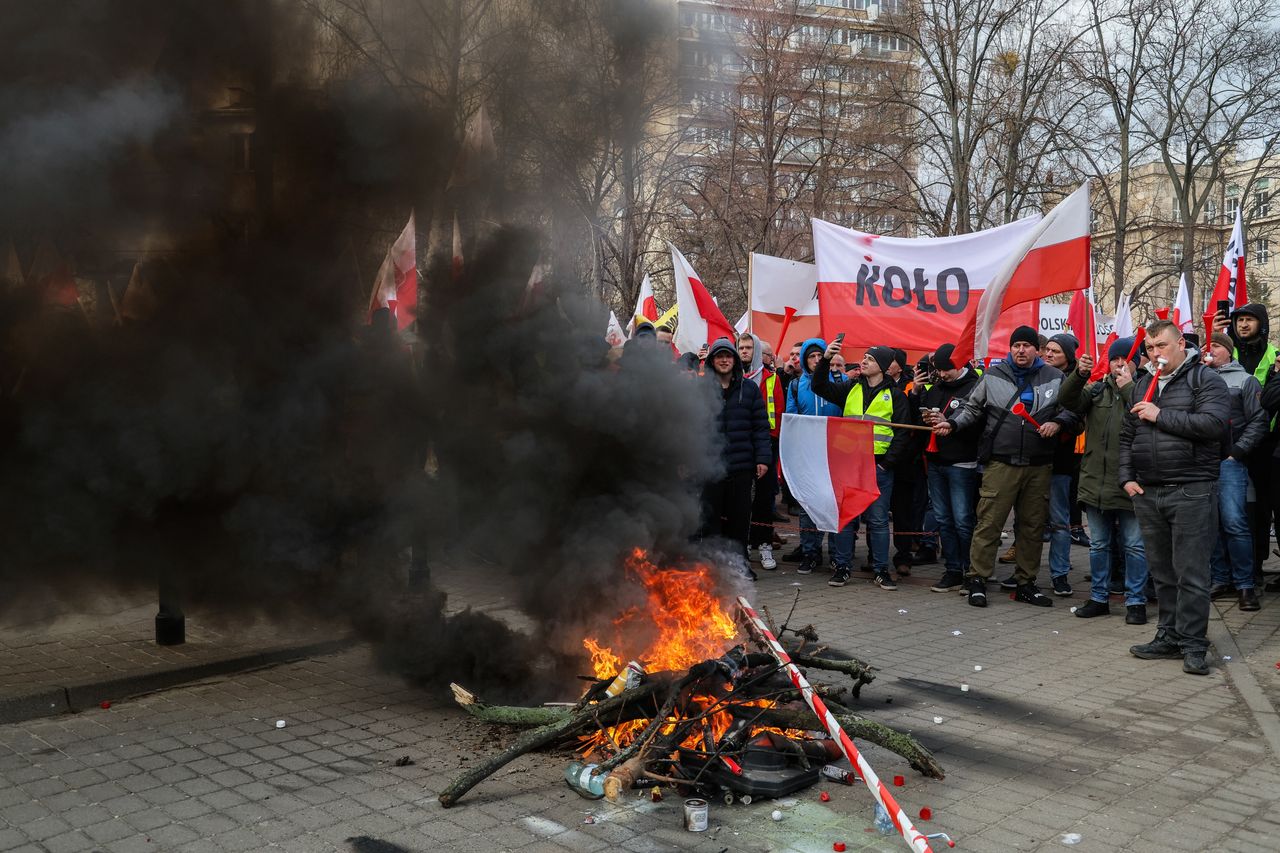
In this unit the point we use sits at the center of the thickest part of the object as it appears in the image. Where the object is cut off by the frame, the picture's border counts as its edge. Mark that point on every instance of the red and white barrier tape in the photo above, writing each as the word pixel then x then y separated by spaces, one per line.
pixel 909 833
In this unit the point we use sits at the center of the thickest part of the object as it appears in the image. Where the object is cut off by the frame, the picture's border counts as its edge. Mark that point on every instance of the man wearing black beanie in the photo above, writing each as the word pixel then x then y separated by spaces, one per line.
pixel 1018 457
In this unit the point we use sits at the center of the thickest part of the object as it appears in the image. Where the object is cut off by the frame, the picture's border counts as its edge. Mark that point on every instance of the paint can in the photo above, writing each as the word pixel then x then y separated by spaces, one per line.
pixel 695 815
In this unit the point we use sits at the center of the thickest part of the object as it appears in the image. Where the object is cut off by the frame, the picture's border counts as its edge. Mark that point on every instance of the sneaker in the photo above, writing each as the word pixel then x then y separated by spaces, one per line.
pixel 903 569
pixel 1009 556
pixel 795 555
pixel 949 582
pixel 1158 649
pixel 1193 663
pixel 766 558
pixel 807 566
pixel 884 580
pixel 866 569
pixel 1135 614
pixel 925 557
pixel 977 588
pixel 1093 608
pixel 1029 593
pixel 840 577
pixel 1219 591
pixel 1079 537
pixel 1061 586
pixel 1010 582
pixel 1249 600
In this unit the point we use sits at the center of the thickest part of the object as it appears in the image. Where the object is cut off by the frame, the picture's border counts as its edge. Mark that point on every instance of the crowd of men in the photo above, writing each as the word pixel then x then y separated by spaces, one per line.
pixel 1168 451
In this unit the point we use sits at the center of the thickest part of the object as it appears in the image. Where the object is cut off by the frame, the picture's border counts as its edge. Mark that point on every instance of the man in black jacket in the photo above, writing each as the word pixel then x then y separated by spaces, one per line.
pixel 747 453
pixel 1170 454
pixel 953 467
pixel 1019 460
pixel 872 397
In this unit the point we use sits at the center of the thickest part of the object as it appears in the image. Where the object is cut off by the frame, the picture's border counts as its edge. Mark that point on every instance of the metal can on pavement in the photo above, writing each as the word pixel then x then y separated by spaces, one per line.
pixel 695 815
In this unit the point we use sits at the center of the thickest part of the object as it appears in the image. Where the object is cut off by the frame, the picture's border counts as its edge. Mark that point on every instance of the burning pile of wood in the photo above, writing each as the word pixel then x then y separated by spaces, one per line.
pixel 702 713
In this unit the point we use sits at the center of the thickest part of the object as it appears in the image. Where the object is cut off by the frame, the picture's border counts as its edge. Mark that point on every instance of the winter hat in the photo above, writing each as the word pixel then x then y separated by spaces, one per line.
pixel 883 356
pixel 1026 335
pixel 1223 339
pixel 942 357
pixel 1120 348
pixel 900 356
pixel 1068 343
pixel 645 330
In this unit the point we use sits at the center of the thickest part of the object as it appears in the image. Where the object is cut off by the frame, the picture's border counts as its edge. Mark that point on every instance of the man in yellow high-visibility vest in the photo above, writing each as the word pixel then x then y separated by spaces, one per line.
pixel 872 397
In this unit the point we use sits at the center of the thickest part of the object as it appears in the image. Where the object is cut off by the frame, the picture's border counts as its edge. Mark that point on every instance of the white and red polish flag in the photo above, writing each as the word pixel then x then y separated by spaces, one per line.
pixel 1053 258
pixel 701 320
pixel 613 332
pixel 396 286
pixel 1123 326
pixel 1182 316
pixel 830 466
pixel 776 285
pixel 1231 286
pixel 646 305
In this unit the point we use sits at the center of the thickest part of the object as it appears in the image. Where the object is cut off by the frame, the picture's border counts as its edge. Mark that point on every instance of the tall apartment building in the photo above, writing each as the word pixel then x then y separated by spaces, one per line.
pixel 1156 249
pixel 804 80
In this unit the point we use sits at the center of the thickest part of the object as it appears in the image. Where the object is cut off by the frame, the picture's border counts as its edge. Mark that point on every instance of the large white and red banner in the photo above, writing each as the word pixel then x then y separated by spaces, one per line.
pixel 830 466
pixel 912 293
pixel 776 285
pixel 1052 258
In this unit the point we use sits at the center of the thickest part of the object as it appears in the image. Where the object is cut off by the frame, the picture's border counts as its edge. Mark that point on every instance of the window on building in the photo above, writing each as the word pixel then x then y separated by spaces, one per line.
pixel 1230 208
pixel 1211 212
pixel 242 152
pixel 1261 204
pixel 1207 260
pixel 1176 209
pixel 1175 252
pixel 1261 251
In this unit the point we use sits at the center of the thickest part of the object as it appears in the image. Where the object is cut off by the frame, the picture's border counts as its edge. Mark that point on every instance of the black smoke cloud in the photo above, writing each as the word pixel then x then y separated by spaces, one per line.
pixel 247 444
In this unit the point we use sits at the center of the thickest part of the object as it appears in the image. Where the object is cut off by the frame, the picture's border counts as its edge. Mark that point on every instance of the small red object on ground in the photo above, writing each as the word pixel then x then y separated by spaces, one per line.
pixel 105 704
pixel 926 813
pixel 899 781
pixel 838 847
pixel 825 797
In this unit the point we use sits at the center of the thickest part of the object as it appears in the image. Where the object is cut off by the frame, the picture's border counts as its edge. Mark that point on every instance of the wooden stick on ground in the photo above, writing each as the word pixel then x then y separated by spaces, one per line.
pixel 547 734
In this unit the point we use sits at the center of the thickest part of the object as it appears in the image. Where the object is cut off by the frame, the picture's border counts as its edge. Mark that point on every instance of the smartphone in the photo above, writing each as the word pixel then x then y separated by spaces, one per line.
pixel 1224 307
pixel 839 337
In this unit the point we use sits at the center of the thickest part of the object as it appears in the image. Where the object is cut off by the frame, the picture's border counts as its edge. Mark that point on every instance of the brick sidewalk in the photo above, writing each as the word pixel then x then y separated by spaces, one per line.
pixel 1062 732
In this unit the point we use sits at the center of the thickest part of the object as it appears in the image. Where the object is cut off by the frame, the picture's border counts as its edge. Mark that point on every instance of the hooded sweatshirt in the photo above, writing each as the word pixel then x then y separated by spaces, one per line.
pixel 1254 352
pixel 743 421
pixel 801 399
pixel 961 447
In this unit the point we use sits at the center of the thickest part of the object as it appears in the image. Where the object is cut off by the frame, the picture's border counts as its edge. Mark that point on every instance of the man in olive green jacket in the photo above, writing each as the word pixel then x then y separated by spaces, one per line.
pixel 1103 405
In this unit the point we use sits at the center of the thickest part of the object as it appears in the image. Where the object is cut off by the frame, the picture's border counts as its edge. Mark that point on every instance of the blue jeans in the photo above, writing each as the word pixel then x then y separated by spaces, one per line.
pixel 877 519
pixel 1060 525
pixel 841 544
pixel 954 494
pixel 1101 522
pixel 810 537
pixel 1232 559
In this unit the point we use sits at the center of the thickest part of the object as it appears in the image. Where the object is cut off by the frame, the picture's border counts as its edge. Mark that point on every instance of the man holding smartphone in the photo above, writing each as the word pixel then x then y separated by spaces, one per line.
pixel 872 397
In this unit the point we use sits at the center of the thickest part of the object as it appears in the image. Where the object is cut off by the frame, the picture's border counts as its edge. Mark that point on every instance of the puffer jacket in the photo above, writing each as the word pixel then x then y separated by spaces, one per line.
pixel 1103 406
pixel 962 445
pixel 744 421
pixel 1184 445
pixel 801 400
pixel 1248 419
pixel 1006 437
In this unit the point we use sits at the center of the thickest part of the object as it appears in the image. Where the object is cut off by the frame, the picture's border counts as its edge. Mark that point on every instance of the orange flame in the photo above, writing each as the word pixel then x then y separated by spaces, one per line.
pixel 688 624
